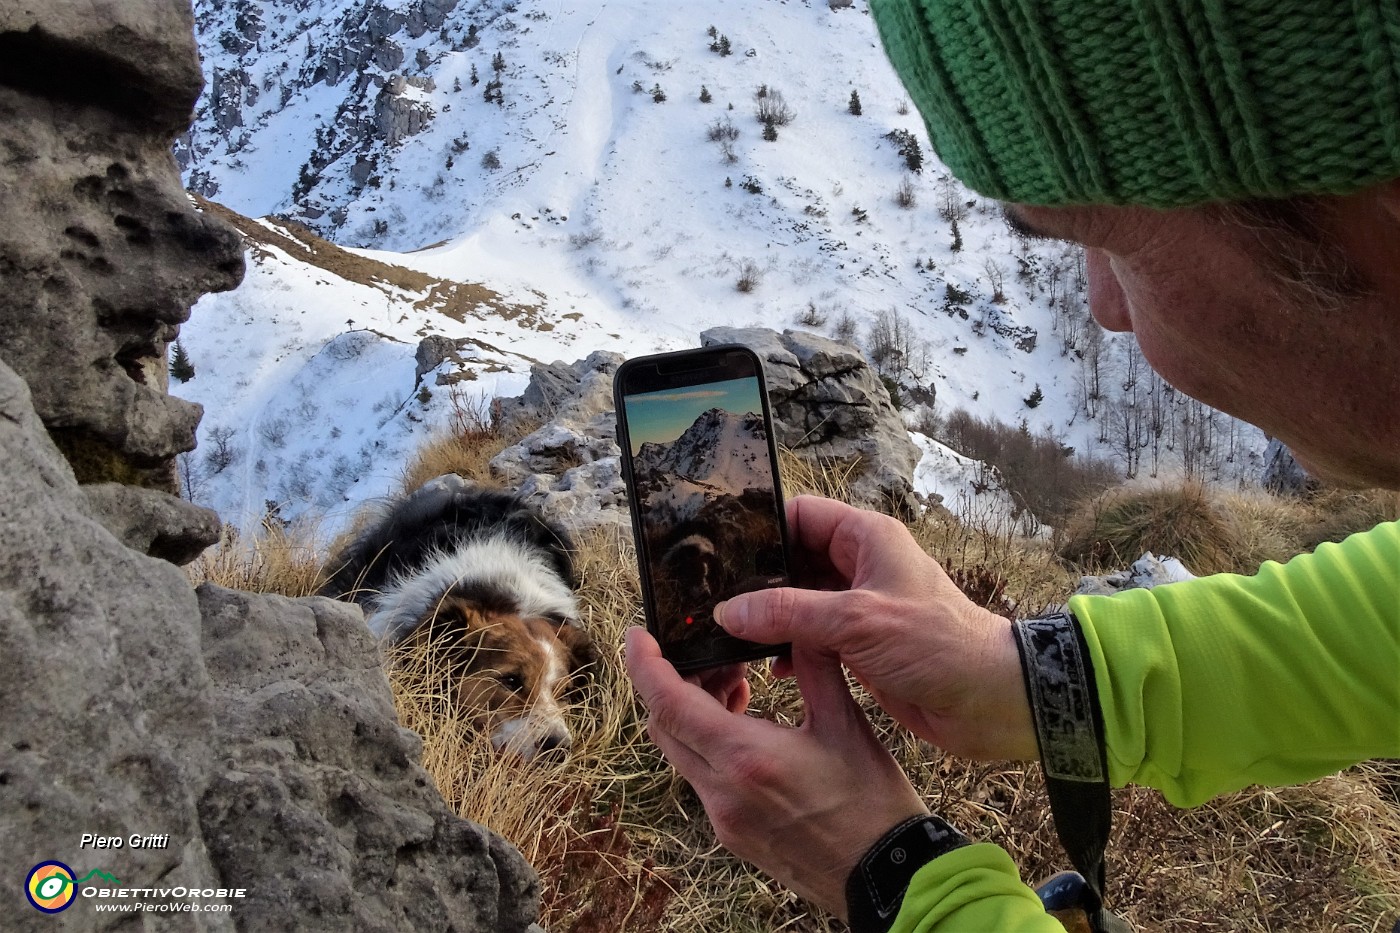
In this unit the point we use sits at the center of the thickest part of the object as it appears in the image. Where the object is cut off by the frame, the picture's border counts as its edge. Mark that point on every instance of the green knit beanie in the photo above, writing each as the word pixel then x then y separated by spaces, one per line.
pixel 1162 103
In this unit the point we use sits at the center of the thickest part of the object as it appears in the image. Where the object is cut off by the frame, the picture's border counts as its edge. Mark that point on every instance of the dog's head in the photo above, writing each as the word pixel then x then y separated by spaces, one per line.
pixel 512 673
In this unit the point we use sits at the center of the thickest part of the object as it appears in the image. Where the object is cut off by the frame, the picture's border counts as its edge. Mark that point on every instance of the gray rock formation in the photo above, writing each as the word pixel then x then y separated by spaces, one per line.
pixel 398 114
pixel 829 404
pixel 102 261
pixel 1284 476
pixel 570 465
pixel 253 736
pixel 256 732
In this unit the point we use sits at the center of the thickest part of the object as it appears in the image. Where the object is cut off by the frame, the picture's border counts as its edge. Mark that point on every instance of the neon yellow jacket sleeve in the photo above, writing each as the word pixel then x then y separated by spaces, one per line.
pixel 1208 686
pixel 1278 678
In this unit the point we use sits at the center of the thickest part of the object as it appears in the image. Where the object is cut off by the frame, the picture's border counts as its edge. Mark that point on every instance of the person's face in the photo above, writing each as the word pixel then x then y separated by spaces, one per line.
pixel 1215 324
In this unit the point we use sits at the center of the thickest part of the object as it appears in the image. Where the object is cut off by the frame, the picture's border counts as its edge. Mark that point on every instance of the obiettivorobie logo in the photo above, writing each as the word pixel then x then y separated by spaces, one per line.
pixel 52 886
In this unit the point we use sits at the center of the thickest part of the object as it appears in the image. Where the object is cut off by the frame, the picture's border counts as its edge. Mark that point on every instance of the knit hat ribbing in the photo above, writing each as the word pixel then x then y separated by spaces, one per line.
pixel 1161 103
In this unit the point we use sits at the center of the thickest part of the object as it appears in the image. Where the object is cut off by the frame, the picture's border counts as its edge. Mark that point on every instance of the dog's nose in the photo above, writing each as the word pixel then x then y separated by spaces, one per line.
pixel 553 747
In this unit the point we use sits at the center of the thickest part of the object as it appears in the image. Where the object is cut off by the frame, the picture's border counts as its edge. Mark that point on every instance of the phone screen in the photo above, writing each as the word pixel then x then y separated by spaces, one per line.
pixel 704 490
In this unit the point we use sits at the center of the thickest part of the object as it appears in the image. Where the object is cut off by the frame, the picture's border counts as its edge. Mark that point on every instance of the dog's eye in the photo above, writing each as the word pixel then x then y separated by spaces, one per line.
pixel 512 682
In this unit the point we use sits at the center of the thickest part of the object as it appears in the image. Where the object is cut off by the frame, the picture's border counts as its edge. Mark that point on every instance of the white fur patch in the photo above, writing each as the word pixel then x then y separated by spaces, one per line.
pixel 497 564
pixel 544 725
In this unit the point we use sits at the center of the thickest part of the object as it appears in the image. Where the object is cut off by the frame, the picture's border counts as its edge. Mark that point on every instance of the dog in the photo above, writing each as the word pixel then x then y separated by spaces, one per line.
pixel 486 582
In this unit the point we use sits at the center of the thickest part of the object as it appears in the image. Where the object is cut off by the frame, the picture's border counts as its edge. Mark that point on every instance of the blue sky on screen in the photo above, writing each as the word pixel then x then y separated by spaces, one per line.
pixel 661 417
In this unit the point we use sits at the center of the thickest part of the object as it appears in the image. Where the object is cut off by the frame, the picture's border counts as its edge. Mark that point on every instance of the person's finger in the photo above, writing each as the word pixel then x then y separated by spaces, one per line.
pixel 688 723
pixel 729 684
pixel 816 618
pixel 830 710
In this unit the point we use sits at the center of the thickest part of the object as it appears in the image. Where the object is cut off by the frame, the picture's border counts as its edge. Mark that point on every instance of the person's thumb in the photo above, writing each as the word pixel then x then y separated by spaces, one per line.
pixel 785 614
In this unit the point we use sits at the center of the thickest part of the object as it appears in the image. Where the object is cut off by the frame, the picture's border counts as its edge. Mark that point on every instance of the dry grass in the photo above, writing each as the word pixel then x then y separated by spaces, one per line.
pixel 1213 532
pixel 622 845
pixel 473 438
pixel 288 560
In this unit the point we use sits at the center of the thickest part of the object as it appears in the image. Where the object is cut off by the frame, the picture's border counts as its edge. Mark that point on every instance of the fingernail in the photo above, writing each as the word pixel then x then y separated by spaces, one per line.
pixel 730 621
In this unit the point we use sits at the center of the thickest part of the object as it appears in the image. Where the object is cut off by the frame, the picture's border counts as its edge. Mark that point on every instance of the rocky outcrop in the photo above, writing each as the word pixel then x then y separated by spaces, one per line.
pixel 102 260
pixel 828 404
pixel 251 738
pixel 400 111
pixel 1283 475
pixel 570 465
pixel 254 733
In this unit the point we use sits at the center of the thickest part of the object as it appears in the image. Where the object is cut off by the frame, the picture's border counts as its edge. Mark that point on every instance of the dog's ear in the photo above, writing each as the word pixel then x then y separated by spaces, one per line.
pixel 456 624
pixel 583 654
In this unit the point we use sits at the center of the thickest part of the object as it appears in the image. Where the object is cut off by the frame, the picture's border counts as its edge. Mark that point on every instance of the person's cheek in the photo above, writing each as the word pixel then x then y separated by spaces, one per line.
pixel 1107 302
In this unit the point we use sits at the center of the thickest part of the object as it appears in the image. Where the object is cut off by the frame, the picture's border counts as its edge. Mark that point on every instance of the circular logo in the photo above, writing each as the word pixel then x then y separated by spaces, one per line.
pixel 898 856
pixel 50 887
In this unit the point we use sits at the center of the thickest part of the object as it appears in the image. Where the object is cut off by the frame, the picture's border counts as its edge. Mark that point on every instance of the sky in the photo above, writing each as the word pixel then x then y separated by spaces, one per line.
pixel 661 417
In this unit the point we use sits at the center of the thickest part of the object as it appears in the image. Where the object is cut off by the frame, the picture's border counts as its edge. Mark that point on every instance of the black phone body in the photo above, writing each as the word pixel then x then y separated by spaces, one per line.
pixel 701 469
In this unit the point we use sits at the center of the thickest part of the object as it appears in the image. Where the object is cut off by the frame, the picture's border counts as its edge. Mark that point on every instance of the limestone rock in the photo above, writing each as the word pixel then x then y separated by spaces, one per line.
pixel 570 466
pixel 256 731
pixel 104 254
pixel 153 522
pixel 321 803
pixel 829 404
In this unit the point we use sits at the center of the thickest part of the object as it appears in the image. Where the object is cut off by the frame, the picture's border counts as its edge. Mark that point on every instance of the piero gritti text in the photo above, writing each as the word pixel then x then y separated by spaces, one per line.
pixel 134 841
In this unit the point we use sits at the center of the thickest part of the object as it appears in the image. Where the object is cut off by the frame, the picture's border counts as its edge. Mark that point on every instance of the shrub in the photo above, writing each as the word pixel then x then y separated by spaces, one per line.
pixel 749 276
pixel 705 97
pixel 722 130
pixel 904 195
pixel 772 108
pixel 909 149
pixel 1040 472
pixel 751 185
pixel 491 161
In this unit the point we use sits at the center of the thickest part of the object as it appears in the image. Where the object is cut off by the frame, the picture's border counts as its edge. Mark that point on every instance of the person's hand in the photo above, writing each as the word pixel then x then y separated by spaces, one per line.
pixel 944 667
pixel 802 803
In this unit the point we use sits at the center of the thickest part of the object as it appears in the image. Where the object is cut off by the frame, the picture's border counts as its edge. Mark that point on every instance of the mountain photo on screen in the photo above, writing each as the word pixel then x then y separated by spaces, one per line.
pixel 705 486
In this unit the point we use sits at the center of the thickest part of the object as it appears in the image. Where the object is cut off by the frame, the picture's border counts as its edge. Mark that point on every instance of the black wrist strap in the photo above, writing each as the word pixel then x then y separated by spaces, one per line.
pixel 1069 729
pixel 877 884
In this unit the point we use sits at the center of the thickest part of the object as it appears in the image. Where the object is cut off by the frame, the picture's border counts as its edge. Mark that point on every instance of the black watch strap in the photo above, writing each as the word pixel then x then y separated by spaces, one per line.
pixel 1069 728
pixel 877 884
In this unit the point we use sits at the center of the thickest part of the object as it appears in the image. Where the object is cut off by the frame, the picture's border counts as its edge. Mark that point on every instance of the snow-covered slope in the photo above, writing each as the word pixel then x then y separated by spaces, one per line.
pixel 598 203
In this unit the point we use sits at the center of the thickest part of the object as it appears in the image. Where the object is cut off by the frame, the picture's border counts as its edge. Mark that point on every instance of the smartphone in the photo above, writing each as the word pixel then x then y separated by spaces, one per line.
pixel 701 470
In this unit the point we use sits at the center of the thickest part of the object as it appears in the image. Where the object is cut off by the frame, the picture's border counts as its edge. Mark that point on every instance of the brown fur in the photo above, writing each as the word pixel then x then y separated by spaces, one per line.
pixel 508 670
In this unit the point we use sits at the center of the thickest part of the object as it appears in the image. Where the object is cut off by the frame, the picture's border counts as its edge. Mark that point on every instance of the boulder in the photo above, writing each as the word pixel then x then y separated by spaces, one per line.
pixel 829 405
pixel 569 466
pixel 103 255
pixel 255 734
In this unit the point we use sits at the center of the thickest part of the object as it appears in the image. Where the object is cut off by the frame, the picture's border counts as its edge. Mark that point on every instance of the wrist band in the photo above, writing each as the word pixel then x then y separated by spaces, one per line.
pixel 877 884
pixel 1059 678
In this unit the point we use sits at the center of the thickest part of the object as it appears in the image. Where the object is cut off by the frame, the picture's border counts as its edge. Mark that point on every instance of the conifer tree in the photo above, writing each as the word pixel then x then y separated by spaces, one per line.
pixel 854 106
pixel 957 237
pixel 705 97
pixel 498 63
pixel 181 369
pixel 770 131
